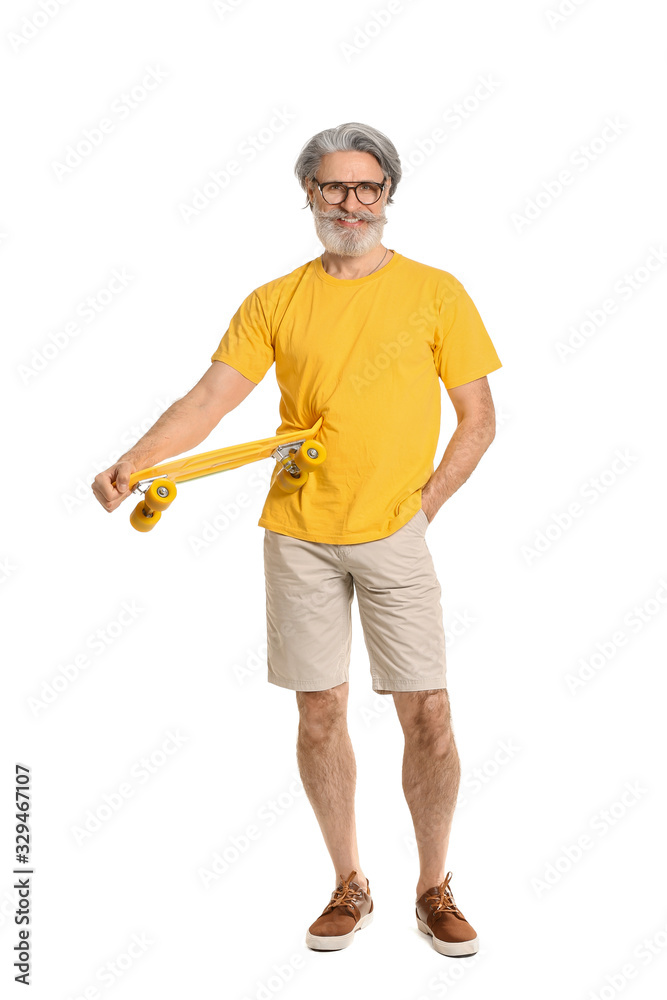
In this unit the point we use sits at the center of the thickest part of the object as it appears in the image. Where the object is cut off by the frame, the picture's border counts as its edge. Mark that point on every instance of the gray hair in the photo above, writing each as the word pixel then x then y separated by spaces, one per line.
pixel 350 136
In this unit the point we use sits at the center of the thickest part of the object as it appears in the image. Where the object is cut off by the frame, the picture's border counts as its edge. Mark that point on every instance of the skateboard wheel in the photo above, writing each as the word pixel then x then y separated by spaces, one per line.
pixel 144 519
pixel 160 494
pixel 288 483
pixel 310 455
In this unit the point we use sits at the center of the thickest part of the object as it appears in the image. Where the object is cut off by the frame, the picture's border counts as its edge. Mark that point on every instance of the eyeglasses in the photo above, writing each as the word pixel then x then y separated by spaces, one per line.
pixel 335 193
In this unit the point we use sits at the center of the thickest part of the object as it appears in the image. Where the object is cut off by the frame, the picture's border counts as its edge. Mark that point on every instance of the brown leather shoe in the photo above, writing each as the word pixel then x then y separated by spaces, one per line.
pixel 349 909
pixel 439 916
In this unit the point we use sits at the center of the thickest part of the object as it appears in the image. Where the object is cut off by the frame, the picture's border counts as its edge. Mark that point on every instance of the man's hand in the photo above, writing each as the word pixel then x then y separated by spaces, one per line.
pixel 111 486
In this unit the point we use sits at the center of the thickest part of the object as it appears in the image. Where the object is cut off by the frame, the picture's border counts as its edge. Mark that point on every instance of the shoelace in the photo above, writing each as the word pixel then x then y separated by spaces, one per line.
pixel 345 895
pixel 443 896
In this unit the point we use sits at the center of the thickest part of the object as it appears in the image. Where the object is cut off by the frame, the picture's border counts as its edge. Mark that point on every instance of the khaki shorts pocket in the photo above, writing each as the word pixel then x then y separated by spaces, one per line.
pixel 425 520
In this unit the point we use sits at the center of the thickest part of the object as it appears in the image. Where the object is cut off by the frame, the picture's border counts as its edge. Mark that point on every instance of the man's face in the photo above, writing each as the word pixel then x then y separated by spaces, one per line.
pixel 349 229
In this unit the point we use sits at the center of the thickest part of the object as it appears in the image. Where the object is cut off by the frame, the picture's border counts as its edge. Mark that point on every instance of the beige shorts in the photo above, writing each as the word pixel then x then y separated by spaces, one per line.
pixel 309 590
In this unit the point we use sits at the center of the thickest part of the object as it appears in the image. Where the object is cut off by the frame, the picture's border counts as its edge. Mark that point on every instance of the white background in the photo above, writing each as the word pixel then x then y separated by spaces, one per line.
pixel 551 921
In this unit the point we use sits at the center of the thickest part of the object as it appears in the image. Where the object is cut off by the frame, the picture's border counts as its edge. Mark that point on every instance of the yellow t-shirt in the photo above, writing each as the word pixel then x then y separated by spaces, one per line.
pixel 365 354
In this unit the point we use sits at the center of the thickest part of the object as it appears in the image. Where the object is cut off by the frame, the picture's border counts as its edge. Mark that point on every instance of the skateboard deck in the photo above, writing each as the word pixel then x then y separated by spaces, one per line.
pixel 297 454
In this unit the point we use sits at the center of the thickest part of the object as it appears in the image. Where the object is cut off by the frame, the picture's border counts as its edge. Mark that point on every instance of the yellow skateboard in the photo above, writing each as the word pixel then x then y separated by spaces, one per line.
pixel 295 452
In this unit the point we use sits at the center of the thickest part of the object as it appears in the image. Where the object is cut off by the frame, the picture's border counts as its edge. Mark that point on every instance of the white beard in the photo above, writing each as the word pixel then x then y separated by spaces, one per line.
pixel 348 242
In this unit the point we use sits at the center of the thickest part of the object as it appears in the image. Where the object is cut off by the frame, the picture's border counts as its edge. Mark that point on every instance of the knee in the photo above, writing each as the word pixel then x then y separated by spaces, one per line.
pixel 426 720
pixel 321 712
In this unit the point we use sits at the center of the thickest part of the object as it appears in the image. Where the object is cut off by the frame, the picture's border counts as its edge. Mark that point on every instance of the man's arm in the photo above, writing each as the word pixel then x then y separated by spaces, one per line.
pixel 475 431
pixel 187 422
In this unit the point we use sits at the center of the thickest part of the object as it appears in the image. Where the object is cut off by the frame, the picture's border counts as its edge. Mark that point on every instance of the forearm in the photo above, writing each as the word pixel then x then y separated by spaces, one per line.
pixel 187 422
pixel 467 445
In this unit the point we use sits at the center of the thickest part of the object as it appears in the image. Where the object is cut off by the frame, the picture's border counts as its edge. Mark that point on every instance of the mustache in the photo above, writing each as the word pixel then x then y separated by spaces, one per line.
pixel 361 215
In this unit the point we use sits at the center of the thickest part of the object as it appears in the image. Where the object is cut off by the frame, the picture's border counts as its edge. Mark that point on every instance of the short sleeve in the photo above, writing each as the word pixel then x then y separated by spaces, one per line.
pixel 248 344
pixel 463 350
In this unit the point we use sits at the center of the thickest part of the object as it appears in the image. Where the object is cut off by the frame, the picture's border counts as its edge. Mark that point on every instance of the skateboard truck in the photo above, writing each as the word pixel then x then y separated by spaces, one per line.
pixel 284 455
pixel 143 485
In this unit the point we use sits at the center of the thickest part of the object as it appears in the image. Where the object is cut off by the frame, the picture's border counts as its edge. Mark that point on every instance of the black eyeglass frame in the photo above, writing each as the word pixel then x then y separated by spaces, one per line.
pixel 352 187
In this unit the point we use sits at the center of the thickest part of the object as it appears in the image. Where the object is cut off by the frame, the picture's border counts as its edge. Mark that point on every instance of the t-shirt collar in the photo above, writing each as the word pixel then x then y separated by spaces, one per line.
pixel 353 282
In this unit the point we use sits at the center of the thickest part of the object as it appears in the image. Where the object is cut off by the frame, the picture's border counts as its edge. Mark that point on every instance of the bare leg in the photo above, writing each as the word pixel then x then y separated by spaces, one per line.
pixel 329 772
pixel 431 775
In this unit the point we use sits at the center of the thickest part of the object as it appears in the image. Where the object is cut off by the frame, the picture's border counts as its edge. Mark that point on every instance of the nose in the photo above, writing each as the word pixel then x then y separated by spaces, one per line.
pixel 351 202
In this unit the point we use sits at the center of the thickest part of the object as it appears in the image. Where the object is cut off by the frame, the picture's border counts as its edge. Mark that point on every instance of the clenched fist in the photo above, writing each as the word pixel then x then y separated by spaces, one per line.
pixel 111 486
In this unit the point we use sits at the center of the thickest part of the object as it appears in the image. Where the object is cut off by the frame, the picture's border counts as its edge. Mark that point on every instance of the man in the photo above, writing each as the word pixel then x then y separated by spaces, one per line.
pixel 360 336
